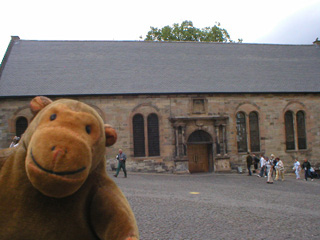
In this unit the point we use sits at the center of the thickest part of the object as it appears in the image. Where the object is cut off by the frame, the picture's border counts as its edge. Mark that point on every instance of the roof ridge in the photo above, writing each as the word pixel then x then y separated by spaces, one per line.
pixel 162 42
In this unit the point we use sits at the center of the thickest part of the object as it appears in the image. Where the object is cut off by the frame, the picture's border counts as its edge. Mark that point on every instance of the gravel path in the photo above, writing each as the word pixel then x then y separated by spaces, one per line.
pixel 222 206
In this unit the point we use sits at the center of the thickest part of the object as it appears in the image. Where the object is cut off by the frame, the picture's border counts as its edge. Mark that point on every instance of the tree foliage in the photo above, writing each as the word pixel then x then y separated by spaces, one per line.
pixel 187 32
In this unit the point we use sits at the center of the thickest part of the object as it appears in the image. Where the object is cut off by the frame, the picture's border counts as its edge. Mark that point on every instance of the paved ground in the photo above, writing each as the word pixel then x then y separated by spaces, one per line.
pixel 228 206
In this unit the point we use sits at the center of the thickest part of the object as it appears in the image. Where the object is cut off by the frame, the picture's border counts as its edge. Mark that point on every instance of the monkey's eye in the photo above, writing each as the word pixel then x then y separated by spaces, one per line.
pixel 88 129
pixel 53 117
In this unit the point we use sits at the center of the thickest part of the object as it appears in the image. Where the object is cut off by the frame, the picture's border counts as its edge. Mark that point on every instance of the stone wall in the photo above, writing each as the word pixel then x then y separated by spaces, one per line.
pixel 119 110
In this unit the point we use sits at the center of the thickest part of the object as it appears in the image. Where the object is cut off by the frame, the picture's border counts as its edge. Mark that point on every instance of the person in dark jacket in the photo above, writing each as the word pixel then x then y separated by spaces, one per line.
pixel 256 161
pixel 306 166
pixel 249 163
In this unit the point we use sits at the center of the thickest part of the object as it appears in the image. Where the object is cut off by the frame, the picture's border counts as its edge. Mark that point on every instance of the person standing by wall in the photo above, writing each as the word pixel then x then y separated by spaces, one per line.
pixel 269 165
pixel 280 170
pixel 255 162
pixel 121 157
pixel 262 166
pixel 306 166
pixel 249 163
pixel 15 142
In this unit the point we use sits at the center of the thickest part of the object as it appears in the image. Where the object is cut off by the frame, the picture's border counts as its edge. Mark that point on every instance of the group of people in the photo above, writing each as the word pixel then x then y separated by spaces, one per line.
pixel 15 142
pixel 306 166
pixel 275 166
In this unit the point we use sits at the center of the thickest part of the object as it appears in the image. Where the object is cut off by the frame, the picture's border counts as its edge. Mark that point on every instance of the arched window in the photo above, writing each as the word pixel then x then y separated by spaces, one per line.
pixel 21 126
pixel 289 126
pixel 301 130
pixel 138 135
pixel 241 132
pixel 254 132
pixel 153 135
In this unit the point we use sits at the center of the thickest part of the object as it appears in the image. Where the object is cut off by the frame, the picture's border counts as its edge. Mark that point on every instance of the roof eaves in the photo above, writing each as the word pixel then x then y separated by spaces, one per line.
pixel 158 93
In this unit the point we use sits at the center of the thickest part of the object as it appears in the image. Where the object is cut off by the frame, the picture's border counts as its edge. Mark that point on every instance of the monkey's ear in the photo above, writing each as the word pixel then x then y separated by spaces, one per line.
pixel 111 135
pixel 39 103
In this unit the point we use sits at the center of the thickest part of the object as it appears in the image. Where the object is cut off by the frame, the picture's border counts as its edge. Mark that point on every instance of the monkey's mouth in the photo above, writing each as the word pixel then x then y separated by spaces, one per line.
pixel 62 173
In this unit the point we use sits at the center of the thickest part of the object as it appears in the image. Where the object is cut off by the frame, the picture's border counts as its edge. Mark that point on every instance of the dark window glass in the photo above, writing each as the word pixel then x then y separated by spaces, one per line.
pixel 153 135
pixel 290 145
pixel 21 126
pixel 254 132
pixel 241 132
pixel 138 136
pixel 301 124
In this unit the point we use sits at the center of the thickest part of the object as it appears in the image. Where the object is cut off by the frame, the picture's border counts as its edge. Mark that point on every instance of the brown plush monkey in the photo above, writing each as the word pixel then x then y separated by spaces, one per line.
pixel 54 184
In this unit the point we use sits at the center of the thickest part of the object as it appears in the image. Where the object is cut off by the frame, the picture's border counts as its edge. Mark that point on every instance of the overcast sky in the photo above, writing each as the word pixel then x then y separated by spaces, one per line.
pixel 273 21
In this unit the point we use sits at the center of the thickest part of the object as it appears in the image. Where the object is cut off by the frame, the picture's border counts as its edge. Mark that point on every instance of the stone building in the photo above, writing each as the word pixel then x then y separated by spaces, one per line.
pixel 183 106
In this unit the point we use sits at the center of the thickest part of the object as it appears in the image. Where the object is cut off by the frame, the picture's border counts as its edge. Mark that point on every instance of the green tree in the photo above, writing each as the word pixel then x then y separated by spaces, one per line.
pixel 187 32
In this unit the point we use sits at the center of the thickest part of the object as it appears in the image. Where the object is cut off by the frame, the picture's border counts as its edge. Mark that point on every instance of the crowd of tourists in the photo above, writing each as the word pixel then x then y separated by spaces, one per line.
pixel 273 168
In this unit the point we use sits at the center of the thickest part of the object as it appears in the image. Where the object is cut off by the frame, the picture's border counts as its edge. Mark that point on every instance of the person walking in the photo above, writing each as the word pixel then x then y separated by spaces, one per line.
pixel 306 166
pixel 297 168
pixel 121 157
pixel 274 161
pixel 249 163
pixel 266 170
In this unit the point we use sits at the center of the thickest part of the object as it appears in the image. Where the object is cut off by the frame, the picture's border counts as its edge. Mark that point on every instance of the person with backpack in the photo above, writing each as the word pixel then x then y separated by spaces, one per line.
pixel 306 166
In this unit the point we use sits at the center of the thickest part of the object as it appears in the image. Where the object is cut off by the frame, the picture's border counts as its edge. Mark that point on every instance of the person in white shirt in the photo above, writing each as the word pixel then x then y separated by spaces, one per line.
pixel 262 166
pixel 15 142
pixel 297 168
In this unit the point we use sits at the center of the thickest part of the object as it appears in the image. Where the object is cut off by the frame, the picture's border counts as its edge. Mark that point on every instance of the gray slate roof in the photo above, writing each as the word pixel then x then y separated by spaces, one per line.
pixel 115 67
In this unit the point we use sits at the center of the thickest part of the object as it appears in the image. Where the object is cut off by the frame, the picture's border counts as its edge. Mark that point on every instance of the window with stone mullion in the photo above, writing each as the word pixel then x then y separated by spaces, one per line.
pixel 289 128
pixel 138 136
pixel 153 135
pixel 301 130
pixel 241 132
pixel 254 132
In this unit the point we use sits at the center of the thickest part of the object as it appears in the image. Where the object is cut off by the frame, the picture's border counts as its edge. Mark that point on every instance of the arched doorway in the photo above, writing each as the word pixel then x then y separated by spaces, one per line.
pixel 199 151
pixel 21 126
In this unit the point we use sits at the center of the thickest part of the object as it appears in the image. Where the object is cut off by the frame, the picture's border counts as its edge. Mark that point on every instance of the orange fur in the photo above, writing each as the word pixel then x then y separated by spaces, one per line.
pixel 54 184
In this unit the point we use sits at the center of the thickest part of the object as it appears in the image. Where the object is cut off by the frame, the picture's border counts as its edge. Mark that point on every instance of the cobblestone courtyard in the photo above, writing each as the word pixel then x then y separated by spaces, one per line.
pixel 227 206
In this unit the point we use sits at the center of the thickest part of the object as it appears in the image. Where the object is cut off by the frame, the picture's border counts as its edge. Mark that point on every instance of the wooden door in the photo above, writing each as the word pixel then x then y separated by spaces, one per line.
pixel 198 158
